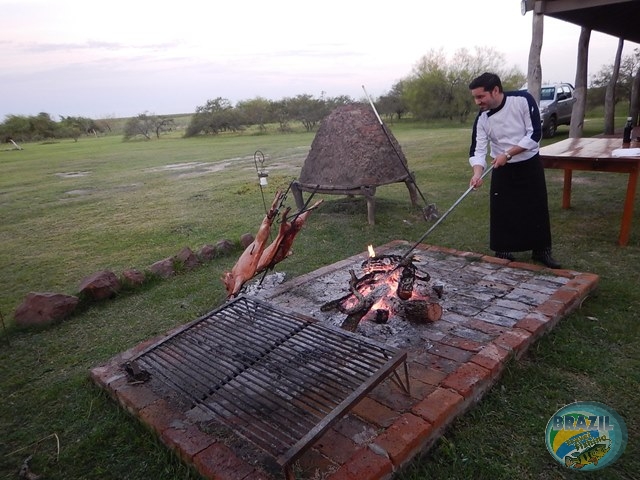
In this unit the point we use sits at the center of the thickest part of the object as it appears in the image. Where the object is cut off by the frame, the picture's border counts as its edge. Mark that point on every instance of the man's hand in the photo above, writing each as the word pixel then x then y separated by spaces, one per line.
pixel 499 161
pixel 476 180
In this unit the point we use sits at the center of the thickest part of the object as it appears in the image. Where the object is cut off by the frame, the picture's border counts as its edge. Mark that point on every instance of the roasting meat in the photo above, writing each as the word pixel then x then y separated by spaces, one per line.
pixel 284 247
pixel 269 253
pixel 247 265
pixel 259 257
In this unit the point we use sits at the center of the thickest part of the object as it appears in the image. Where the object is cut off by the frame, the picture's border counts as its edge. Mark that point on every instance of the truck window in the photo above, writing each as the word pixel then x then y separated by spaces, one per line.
pixel 547 93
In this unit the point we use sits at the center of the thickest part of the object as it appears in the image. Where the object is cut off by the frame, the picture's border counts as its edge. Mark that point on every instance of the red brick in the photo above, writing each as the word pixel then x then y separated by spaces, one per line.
pixel 437 362
pixel 515 339
pixel 564 295
pixel 135 397
pixel 527 266
pixel 564 273
pixel 107 376
pixel 440 407
pixel 486 327
pixel 553 309
pixel 492 357
pixel 406 436
pixel 425 374
pixel 158 415
pixel 451 353
pixel 468 379
pixel 188 440
pixel 584 289
pixel 533 324
pixel 496 260
pixel 374 412
pixel 463 343
pixel 590 279
pixel 471 256
pixel 335 446
pixel 438 248
pixel 354 428
pixel 436 333
pixel 364 465
pixel 219 462
pixel 392 396
pixel 312 464
pixel 419 390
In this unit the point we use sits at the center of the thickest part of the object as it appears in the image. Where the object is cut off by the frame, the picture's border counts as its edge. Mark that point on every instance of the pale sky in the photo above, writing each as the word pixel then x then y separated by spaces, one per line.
pixel 121 58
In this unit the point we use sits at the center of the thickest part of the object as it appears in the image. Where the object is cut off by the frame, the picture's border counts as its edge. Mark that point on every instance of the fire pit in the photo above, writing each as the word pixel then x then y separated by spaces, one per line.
pixel 190 383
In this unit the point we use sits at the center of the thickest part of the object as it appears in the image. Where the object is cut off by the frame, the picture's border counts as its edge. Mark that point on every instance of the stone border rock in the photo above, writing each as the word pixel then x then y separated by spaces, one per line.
pixel 45 308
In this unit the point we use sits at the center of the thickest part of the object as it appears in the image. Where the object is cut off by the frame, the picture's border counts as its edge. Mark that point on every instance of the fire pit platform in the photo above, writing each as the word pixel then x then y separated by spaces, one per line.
pixel 493 311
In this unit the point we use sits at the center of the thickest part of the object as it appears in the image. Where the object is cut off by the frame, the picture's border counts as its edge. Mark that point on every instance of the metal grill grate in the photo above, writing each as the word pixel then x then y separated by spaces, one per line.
pixel 277 378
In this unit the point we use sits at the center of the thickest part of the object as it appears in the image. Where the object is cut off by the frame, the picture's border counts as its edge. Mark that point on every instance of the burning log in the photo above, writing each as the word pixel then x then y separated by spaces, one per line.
pixel 405 283
pixel 363 305
pixel 422 311
pixel 372 296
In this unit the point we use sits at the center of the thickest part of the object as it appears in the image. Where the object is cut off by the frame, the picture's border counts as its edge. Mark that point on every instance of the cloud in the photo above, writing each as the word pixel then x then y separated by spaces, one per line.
pixel 127 57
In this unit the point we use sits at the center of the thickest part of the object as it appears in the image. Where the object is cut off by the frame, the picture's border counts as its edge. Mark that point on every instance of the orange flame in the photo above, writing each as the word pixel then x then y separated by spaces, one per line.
pixel 372 253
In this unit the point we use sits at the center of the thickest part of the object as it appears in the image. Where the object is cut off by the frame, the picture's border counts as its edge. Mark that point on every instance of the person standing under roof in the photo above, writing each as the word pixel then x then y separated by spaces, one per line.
pixel 508 128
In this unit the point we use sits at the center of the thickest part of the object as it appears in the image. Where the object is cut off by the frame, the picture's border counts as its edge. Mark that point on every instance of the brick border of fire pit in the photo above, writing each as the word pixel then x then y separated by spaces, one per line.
pixel 386 429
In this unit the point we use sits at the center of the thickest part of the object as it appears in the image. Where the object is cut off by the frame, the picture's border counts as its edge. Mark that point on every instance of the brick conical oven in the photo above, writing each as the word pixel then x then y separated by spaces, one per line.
pixel 352 154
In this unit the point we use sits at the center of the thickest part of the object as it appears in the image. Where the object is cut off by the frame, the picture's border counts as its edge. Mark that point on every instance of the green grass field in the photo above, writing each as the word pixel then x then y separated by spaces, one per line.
pixel 70 209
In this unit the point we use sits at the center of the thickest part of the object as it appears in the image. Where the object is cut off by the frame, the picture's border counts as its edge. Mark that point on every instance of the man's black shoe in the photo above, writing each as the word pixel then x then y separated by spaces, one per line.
pixel 506 256
pixel 544 257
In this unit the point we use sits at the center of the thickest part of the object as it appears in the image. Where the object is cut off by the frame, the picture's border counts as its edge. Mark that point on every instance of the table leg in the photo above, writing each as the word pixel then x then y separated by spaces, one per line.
pixel 627 213
pixel 566 189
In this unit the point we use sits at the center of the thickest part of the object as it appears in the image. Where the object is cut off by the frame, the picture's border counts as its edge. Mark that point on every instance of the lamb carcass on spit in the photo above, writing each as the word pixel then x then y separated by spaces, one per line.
pixel 247 265
pixel 280 248
pixel 258 257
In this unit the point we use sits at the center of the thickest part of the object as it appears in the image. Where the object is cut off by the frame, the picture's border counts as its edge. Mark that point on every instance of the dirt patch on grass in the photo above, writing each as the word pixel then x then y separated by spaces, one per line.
pixel 79 192
pixel 192 169
pixel 72 174
pixel 292 157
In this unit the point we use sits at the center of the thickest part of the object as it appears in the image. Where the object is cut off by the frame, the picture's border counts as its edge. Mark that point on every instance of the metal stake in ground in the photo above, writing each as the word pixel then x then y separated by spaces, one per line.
pixel 444 215
pixel 429 211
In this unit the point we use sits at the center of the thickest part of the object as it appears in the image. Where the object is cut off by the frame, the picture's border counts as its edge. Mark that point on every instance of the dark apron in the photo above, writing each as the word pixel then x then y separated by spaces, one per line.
pixel 518 206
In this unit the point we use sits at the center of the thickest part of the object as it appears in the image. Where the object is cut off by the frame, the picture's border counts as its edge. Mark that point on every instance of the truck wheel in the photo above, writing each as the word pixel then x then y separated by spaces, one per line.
pixel 550 129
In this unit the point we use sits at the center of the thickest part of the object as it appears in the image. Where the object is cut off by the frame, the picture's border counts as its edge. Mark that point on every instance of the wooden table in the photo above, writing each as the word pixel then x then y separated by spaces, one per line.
pixel 594 155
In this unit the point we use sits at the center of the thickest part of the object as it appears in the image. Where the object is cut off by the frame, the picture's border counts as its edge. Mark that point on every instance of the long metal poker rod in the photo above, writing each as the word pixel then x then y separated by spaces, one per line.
pixel 444 215
pixel 384 129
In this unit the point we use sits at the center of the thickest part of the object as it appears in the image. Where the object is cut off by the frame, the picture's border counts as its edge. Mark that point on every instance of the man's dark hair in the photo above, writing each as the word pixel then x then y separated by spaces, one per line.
pixel 488 81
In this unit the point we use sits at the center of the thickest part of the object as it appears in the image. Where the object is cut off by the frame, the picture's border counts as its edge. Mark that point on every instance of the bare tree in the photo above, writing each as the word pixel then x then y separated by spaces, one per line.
pixel 577 115
pixel 162 124
pixel 140 125
pixel 610 92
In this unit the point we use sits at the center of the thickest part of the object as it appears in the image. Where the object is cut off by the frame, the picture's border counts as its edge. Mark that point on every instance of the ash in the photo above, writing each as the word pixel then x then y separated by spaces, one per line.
pixel 259 286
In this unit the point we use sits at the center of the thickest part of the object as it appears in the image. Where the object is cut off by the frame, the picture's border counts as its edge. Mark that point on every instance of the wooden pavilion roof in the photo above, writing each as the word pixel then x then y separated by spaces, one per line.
pixel 619 18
